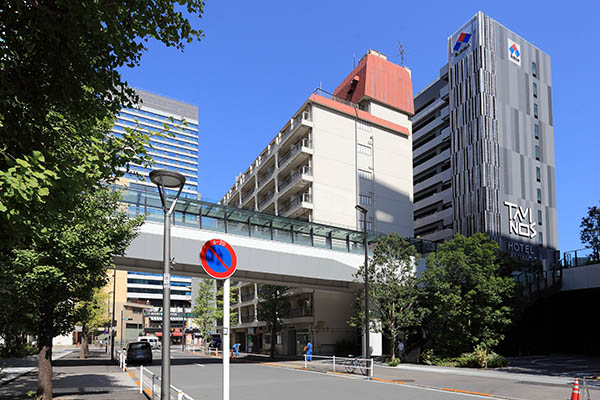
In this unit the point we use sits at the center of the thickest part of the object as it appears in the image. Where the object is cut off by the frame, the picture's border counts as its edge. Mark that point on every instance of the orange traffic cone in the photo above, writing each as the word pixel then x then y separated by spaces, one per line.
pixel 575 393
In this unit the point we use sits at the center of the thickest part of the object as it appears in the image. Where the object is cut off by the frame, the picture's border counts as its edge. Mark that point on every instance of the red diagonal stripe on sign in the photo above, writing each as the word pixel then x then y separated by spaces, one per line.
pixel 219 258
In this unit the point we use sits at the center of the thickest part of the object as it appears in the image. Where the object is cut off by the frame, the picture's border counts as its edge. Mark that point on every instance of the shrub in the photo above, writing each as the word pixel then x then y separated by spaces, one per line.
pixel 479 358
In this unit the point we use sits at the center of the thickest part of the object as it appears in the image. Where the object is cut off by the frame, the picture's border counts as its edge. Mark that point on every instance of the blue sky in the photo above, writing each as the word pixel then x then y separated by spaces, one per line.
pixel 259 61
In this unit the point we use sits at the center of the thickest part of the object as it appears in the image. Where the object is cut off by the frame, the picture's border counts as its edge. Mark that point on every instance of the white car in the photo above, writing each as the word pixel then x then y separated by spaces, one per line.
pixel 153 340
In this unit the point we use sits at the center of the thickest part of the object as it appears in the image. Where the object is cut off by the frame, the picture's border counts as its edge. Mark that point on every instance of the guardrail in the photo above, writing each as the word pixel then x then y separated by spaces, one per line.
pixel 580 258
pixel 349 365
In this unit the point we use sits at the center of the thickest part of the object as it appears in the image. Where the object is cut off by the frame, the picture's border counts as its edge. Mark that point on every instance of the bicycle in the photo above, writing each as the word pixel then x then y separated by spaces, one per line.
pixel 354 364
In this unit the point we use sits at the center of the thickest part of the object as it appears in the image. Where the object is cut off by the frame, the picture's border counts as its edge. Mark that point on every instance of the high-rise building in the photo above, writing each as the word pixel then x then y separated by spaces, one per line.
pixel 176 149
pixel 351 147
pixel 484 143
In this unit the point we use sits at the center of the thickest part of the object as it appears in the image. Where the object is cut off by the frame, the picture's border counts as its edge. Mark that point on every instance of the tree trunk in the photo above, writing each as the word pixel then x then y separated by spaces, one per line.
pixel 44 389
pixel 273 341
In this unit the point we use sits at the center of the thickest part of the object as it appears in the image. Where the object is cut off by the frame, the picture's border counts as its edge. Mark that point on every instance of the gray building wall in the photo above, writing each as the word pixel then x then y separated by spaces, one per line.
pixel 498 162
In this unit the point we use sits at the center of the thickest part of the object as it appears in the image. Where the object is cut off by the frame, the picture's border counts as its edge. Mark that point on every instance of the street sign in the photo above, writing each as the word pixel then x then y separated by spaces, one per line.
pixel 218 259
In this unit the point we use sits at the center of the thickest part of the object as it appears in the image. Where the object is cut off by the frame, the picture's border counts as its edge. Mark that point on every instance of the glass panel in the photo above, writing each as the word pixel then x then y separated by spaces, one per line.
pixel 302 238
pixel 282 235
pixel 338 244
pixel 320 241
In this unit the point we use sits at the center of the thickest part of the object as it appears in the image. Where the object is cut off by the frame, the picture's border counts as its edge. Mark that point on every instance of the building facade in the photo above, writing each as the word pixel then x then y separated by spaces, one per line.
pixel 484 143
pixel 340 149
pixel 175 149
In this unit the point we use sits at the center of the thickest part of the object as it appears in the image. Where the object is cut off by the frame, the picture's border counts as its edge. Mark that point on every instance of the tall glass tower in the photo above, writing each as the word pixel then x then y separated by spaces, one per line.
pixel 177 152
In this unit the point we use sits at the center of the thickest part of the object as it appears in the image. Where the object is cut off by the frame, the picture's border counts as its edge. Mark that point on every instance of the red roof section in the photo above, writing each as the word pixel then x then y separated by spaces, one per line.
pixel 380 80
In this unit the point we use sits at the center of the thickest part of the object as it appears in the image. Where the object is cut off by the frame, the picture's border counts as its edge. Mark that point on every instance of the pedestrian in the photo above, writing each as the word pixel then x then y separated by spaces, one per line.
pixel 400 348
pixel 309 351
pixel 236 350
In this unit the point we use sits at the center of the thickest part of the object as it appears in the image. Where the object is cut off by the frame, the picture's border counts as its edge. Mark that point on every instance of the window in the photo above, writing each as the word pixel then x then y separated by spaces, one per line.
pixel 535 110
pixel 537 152
pixel 365 174
pixel 538 174
pixel 539 217
pixel 539 196
pixel 536 130
pixel 362 149
pixel 541 238
pixel 364 126
pixel 534 69
pixel 535 90
pixel 361 224
pixel 365 200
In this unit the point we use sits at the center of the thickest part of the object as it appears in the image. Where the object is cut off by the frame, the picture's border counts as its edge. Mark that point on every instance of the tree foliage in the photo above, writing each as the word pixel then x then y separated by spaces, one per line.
pixel 91 314
pixel 393 289
pixel 273 305
pixel 590 231
pixel 205 308
pixel 467 298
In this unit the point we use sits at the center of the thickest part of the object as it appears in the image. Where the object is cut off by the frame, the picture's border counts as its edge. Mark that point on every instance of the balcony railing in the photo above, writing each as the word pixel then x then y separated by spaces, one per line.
pixel 580 258
pixel 247 195
pixel 305 170
pixel 296 122
pixel 266 176
pixel 248 297
pixel 296 202
pixel 298 312
pixel 263 201
pixel 247 318
pixel 295 149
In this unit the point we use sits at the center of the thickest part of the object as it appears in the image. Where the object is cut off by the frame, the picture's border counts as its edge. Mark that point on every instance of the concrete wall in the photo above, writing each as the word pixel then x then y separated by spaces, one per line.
pixel 587 277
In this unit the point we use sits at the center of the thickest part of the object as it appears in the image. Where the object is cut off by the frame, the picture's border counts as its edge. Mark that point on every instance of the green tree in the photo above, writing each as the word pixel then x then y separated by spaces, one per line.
pixel 393 289
pixel 63 268
pixel 590 231
pixel 205 308
pixel 273 305
pixel 469 302
pixel 91 314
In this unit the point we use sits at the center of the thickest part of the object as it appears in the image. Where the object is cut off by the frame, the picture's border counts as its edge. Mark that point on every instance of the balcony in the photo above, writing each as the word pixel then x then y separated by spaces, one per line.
pixel 246 319
pixel 303 120
pixel 298 312
pixel 301 201
pixel 265 200
pixel 305 145
pixel 298 178
pixel 248 297
pixel 248 195
pixel 266 177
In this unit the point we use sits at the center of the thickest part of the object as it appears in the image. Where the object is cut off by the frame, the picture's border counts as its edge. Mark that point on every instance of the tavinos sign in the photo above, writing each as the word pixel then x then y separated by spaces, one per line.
pixel 520 221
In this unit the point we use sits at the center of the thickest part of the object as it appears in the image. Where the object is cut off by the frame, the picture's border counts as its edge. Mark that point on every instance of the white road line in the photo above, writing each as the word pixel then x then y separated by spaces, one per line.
pixel 200 365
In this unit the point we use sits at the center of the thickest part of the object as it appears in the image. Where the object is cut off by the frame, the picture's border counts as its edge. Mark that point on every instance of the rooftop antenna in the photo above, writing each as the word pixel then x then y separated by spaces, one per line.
pixel 401 50
pixel 353 61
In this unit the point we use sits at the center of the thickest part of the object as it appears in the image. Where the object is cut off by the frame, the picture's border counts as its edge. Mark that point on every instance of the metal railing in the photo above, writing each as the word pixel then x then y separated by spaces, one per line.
pixel 296 202
pixel 150 384
pixel 331 96
pixel 537 281
pixel 297 312
pixel 193 213
pixel 348 365
pixel 266 199
pixel 247 318
pixel 295 149
pixel 304 170
pixel 296 122
pixel 580 258
pixel 248 297
pixel 266 176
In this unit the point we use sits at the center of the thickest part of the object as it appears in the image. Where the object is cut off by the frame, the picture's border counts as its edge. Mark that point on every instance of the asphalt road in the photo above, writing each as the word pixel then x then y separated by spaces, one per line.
pixel 201 378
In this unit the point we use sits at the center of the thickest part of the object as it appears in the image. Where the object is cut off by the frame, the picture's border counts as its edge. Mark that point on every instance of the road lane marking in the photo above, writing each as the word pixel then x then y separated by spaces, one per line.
pixel 467 392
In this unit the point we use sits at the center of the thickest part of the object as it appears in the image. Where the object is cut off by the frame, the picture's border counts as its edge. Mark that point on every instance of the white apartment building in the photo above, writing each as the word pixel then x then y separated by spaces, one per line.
pixel 351 147
pixel 337 151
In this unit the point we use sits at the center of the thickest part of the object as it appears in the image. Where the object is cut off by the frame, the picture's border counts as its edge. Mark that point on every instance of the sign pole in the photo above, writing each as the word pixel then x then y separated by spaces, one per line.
pixel 226 338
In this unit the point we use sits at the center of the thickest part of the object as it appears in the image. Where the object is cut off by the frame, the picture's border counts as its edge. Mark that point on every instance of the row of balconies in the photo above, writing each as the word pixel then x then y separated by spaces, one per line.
pixel 276 154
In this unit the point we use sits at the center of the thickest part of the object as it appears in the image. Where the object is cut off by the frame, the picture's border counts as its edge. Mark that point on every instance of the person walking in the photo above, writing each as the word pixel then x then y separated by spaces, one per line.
pixel 309 351
pixel 400 348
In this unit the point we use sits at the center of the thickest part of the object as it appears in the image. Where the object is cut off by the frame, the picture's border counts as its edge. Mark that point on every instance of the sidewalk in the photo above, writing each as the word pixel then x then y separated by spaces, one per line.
pixel 95 378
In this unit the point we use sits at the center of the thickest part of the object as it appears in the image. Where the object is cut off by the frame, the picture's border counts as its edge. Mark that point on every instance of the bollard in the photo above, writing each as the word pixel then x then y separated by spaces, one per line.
pixel 333 363
pixel 305 364
pixel 372 369
pixel 141 379
pixel 153 387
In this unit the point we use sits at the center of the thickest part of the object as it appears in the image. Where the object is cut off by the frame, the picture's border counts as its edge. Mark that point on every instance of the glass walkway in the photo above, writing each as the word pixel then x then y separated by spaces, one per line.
pixel 236 221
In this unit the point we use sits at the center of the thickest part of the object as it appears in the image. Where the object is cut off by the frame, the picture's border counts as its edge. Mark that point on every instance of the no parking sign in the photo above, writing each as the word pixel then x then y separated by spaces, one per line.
pixel 218 259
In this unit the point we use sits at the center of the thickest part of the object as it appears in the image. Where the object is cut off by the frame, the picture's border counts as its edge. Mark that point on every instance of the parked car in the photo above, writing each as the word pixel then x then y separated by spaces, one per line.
pixel 153 340
pixel 139 352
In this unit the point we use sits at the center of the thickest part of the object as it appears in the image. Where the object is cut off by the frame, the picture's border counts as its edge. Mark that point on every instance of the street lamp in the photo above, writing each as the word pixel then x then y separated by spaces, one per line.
pixel 364 212
pixel 163 179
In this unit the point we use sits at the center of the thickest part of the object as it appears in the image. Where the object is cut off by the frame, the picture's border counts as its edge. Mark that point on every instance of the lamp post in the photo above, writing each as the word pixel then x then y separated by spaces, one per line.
pixel 163 179
pixel 364 212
